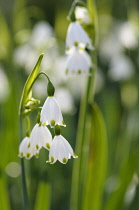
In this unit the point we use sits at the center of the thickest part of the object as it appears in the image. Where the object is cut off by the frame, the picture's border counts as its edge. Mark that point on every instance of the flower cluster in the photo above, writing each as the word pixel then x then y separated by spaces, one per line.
pixel 78 43
pixel 59 148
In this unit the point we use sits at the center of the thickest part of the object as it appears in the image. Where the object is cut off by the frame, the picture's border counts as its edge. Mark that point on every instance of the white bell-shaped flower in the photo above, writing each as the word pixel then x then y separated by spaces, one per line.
pixel 25 149
pixel 60 150
pixel 51 113
pixel 79 61
pixel 40 137
pixel 82 15
pixel 76 35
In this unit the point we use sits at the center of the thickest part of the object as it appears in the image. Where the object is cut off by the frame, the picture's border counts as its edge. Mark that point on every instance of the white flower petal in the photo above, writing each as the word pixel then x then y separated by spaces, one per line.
pixel 76 35
pixel 40 137
pixel 51 113
pixel 46 136
pixel 82 15
pixel 78 61
pixel 60 150
pixel 25 150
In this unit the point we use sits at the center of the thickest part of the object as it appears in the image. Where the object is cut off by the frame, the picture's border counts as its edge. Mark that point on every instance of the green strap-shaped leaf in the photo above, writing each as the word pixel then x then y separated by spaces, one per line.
pixel 4 201
pixel 5 38
pixel 27 91
pixel 97 162
pixel 91 6
pixel 116 199
pixel 43 197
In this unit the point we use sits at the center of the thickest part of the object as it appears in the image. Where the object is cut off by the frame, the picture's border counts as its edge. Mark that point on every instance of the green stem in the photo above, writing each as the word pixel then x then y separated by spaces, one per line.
pixel 86 137
pixel 83 133
pixel 79 143
pixel 23 178
pixel 41 73
pixel 81 146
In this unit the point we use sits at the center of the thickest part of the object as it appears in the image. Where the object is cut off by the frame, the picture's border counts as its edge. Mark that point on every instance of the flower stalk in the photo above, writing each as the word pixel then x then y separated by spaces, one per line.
pixel 23 177
pixel 84 127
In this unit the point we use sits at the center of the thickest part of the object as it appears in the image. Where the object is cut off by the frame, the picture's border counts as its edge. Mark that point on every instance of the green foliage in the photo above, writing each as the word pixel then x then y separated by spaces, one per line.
pixel 91 6
pixel 4 199
pixel 43 197
pixel 97 162
pixel 116 200
pixel 27 91
pixel 5 38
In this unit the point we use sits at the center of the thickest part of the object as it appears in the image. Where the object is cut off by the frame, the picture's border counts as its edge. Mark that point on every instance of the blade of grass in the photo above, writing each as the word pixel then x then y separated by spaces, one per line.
pixel 116 199
pixel 97 163
pixel 5 39
pixel 43 197
pixel 4 201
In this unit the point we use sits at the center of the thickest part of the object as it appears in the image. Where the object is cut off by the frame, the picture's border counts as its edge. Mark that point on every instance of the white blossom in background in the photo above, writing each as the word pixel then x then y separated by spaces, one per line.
pixel 116 39
pixel 110 46
pixel 25 150
pixel 72 85
pixel 77 36
pixel 82 15
pixel 51 113
pixel 127 35
pixel 121 68
pixel 25 56
pixel 78 61
pixel 40 137
pixel 42 35
pixel 68 105
pixel 4 86
pixel 41 39
pixel 60 150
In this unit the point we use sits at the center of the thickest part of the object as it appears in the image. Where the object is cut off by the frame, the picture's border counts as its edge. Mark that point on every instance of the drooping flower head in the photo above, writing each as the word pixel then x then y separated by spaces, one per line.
pixel 82 15
pixel 60 150
pixel 76 35
pixel 51 113
pixel 78 61
pixel 25 149
pixel 40 137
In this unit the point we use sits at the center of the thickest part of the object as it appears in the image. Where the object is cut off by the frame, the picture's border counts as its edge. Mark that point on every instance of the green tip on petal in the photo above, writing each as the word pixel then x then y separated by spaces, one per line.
pixel 52 159
pixel 67 71
pixel 28 145
pixel 37 155
pixel 21 155
pixel 79 71
pixel 48 145
pixel 63 123
pixel 42 124
pixel 37 146
pixel 75 156
pixel 48 161
pixel 28 155
pixel 64 160
pixel 52 122
pixel 76 44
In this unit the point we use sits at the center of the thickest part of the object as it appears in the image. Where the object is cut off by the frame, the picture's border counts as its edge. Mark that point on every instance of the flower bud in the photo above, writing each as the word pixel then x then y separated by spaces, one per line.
pixel 50 89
